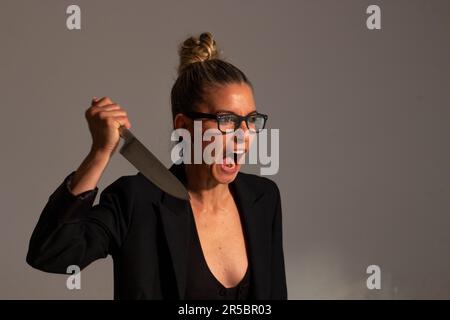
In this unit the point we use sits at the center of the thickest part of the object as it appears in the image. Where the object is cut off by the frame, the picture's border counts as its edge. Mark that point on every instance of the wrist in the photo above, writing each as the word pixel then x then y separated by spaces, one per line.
pixel 98 155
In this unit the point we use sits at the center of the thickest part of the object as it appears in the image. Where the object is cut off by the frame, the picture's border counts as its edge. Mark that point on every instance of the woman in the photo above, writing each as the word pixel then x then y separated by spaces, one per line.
pixel 225 243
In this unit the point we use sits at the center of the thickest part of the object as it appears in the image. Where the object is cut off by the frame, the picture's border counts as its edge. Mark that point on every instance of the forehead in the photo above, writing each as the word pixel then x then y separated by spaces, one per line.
pixel 236 98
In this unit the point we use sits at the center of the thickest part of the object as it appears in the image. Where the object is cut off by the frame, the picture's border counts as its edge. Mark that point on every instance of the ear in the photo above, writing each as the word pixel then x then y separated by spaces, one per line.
pixel 181 121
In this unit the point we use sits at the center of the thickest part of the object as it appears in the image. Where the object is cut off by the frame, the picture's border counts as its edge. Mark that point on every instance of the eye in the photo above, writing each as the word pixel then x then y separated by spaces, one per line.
pixel 227 117
pixel 252 117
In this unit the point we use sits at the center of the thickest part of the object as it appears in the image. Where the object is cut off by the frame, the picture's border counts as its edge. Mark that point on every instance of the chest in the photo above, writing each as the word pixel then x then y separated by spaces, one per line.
pixel 222 240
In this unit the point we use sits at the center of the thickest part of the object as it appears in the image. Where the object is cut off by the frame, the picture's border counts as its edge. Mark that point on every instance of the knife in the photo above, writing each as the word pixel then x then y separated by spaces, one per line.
pixel 147 163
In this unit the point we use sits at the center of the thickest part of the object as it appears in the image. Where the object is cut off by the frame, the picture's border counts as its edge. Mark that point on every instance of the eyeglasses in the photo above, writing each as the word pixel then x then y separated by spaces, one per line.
pixel 230 122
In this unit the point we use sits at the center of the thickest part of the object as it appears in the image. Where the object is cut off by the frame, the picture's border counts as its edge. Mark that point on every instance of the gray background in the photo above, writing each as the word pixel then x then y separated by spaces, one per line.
pixel 363 117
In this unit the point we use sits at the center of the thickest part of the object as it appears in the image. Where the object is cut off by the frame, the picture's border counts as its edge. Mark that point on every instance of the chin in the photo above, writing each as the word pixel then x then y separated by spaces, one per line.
pixel 223 174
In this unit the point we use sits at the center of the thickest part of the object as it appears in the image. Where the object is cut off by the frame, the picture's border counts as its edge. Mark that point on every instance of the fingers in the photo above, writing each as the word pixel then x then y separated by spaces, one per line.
pixel 110 107
pixel 106 110
pixel 101 102
pixel 111 114
pixel 122 121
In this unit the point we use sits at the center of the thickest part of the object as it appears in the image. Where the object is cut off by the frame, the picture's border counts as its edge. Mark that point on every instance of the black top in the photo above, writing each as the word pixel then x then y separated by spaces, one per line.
pixel 201 284
pixel 147 233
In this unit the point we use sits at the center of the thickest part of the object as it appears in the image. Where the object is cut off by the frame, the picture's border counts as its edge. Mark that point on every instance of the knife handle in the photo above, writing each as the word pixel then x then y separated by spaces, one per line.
pixel 125 133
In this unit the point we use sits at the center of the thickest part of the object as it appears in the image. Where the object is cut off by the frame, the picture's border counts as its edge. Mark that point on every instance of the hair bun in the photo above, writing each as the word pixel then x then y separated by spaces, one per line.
pixel 199 49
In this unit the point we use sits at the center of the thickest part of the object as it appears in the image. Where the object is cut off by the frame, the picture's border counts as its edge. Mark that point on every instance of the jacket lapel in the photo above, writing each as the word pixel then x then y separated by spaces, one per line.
pixel 250 204
pixel 176 223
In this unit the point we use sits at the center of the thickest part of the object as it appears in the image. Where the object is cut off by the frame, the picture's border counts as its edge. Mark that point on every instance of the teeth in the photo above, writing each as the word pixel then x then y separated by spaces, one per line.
pixel 234 153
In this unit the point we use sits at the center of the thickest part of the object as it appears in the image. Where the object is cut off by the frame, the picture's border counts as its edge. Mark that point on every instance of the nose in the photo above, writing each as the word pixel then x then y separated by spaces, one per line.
pixel 241 141
pixel 243 126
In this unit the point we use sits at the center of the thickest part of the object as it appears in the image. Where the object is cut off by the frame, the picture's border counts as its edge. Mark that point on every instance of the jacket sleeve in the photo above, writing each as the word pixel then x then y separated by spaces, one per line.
pixel 279 288
pixel 71 231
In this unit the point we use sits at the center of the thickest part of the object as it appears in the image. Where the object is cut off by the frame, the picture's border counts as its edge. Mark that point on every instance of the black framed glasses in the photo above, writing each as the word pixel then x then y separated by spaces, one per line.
pixel 230 122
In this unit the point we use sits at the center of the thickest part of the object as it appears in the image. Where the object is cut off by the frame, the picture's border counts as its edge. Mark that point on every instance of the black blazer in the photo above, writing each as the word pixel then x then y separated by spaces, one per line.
pixel 146 231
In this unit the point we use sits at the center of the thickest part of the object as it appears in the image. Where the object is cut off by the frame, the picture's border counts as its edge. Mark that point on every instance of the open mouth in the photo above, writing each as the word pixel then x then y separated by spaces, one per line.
pixel 237 155
pixel 232 159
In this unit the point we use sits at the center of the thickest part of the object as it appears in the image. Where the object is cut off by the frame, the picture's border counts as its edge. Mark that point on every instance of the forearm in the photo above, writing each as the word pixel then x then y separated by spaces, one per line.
pixel 89 172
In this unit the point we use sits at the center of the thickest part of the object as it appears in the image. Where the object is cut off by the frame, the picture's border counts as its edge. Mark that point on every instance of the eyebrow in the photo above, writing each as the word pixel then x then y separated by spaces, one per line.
pixel 223 111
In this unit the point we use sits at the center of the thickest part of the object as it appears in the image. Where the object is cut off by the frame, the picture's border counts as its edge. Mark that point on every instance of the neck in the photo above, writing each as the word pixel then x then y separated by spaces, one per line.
pixel 203 189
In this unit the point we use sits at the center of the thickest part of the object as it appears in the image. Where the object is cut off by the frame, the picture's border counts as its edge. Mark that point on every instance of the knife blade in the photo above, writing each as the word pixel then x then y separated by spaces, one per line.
pixel 147 163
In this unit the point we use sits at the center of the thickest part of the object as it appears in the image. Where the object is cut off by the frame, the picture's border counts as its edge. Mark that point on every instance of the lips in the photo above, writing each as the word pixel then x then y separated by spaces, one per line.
pixel 229 166
pixel 230 163
pixel 233 157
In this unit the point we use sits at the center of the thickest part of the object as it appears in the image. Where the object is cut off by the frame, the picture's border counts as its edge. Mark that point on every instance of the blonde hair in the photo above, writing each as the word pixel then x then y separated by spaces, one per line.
pixel 199 49
pixel 200 67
